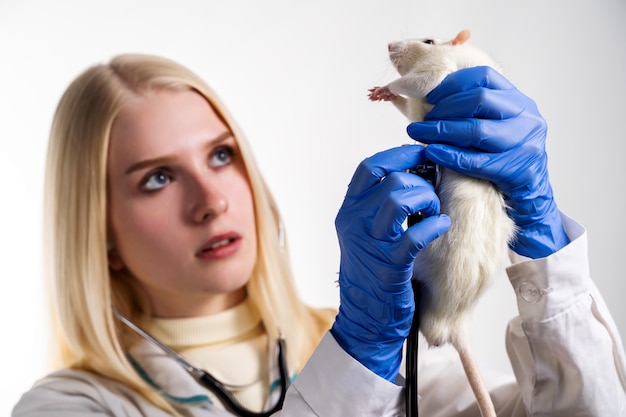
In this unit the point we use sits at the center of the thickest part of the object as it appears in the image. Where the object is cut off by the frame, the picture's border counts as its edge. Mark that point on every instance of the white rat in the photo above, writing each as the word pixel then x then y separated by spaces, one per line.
pixel 457 267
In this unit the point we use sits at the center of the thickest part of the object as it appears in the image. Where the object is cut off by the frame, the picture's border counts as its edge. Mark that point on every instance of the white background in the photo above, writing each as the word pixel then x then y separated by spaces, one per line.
pixel 296 75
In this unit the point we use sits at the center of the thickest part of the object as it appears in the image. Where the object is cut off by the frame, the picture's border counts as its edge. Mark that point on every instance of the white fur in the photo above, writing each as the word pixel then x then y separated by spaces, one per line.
pixel 458 266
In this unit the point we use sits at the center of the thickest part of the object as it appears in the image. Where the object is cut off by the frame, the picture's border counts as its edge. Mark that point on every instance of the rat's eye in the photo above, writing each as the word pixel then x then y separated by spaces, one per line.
pixel 429 41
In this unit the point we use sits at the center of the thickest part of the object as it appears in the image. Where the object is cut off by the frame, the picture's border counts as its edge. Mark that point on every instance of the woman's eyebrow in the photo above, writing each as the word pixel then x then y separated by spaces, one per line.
pixel 163 160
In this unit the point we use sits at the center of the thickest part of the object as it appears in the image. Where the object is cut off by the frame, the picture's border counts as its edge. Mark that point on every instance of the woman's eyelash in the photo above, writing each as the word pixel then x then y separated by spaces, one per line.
pixel 228 149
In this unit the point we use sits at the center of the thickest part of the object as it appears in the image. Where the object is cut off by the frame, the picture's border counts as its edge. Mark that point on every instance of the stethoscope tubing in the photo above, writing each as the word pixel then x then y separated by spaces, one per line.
pixel 412 343
pixel 211 383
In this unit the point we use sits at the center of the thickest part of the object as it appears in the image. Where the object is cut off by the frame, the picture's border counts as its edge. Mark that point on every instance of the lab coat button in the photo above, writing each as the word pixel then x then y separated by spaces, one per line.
pixel 530 292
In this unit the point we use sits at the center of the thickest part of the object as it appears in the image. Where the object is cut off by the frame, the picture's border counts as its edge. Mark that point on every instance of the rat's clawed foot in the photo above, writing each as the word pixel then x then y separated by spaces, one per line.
pixel 381 93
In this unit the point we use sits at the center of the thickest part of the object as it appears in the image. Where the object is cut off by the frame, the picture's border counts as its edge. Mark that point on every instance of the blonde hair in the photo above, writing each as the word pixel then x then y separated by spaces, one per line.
pixel 83 288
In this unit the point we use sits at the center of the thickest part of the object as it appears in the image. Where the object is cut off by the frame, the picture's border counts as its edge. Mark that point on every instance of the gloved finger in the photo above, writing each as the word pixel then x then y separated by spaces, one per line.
pixel 482 134
pixel 464 161
pixel 388 221
pixel 421 234
pixel 373 169
pixel 503 169
pixel 481 103
pixel 467 79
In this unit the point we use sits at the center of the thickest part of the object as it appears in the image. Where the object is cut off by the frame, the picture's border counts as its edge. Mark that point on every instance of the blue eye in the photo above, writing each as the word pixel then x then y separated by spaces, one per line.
pixel 156 181
pixel 222 156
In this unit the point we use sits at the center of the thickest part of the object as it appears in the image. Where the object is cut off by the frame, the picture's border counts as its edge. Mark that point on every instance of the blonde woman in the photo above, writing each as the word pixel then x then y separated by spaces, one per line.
pixel 172 289
pixel 90 198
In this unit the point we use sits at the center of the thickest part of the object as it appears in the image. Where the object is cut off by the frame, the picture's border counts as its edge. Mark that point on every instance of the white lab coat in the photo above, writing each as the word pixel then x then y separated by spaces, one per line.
pixel 565 351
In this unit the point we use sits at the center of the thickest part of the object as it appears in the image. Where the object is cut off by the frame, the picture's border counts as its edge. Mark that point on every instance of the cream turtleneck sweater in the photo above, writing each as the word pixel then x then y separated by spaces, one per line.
pixel 231 345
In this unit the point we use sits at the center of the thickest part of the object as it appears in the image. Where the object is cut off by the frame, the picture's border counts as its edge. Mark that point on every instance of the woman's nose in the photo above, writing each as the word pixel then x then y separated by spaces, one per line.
pixel 208 202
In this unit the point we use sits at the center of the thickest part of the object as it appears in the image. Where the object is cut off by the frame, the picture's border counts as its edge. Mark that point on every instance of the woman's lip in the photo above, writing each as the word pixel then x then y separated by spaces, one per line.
pixel 220 246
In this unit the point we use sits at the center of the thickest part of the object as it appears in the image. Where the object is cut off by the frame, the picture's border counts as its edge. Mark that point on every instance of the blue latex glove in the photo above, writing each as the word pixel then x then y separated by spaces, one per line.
pixel 482 126
pixel 376 299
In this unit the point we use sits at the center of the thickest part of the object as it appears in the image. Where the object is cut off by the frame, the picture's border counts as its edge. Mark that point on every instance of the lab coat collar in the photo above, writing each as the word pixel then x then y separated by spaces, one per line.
pixel 166 375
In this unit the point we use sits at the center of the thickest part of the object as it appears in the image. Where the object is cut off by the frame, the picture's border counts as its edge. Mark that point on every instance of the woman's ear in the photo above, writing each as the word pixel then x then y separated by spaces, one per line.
pixel 115 261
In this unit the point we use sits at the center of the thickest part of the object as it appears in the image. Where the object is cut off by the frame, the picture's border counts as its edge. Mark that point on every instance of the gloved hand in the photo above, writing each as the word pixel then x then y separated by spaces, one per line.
pixel 376 299
pixel 482 126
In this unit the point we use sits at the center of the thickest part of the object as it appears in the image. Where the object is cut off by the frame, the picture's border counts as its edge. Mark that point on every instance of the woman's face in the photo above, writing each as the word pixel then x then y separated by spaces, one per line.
pixel 180 206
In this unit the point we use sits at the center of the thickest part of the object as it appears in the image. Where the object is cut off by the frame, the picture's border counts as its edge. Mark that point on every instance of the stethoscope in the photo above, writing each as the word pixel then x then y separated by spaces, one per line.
pixel 431 173
pixel 210 382
pixel 412 342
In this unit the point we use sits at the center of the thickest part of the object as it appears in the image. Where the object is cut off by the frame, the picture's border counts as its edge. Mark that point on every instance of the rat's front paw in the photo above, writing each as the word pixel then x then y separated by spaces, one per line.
pixel 381 93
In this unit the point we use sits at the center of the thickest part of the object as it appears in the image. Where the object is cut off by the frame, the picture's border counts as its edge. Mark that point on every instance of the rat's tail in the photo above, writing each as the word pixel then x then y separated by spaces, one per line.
pixel 475 380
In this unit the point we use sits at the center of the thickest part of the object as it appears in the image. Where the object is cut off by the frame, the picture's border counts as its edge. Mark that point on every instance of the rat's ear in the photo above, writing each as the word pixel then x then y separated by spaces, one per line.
pixel 461 38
